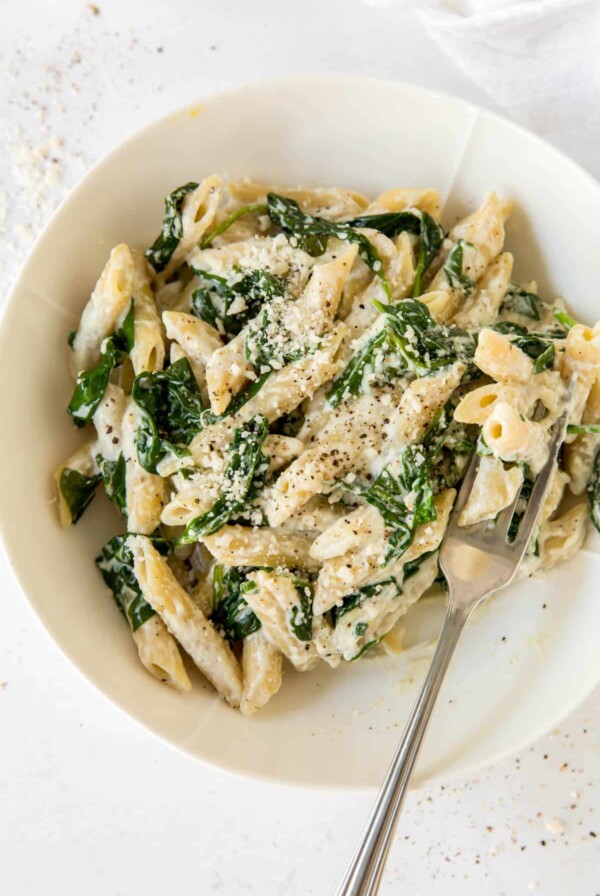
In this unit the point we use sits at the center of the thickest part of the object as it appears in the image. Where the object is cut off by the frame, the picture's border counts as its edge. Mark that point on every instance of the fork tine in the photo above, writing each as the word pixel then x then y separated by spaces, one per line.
pixel 538 492
pixel 504 518
pixel 465 489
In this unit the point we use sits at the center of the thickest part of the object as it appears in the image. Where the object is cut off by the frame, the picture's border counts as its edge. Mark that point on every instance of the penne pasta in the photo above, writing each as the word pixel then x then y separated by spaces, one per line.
pixel 110 299
pixel 148 351
pixel 158 652
pixel 261 670
pixel 146 492
pixel 185 621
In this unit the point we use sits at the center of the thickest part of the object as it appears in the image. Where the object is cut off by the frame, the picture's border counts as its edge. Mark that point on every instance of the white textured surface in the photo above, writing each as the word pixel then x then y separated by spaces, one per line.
pixel 537 58
pixel 90 803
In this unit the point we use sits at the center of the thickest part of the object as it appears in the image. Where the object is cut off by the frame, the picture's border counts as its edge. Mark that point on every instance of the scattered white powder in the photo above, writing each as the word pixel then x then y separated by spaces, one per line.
pixel 555 826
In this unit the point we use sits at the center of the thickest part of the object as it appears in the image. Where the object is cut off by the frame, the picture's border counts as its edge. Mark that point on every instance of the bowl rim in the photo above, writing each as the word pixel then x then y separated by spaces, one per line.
pixel 296 80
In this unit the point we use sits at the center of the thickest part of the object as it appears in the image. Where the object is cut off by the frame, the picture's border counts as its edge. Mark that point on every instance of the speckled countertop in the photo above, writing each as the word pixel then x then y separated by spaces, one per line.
pixel 90 803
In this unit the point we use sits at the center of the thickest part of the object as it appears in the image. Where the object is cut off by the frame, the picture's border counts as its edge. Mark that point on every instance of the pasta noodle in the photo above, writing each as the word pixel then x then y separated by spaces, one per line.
pixel 185 620
pixel 261 666
pixel 109 300
pixel 145 491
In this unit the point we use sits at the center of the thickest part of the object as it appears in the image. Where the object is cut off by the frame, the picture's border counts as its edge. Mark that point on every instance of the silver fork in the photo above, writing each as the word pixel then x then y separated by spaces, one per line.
pixel 476 560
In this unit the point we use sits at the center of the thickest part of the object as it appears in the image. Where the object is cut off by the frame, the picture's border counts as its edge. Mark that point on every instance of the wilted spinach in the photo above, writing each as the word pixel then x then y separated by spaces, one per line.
pixel 242 480
pixel 91 384
pixel 403 494
pixel 161 251
pixel 367 647
pixel 259 207
pixel 229 307
pixel 116 564
pixel 312 234
pixel 301 615
pixel 350 382
pixel 448 445
pixel 522 302
pixel 432 236
pixel 565 319
pixel 421 224
pixel 411 336
pixel 521 507
pixel 358 597
pixel 539 348
pixel 172 409
pixel 113 474
pixel 77 490
pixel 423 345
pixel 231 614
pixel 454 268
pixel 582 429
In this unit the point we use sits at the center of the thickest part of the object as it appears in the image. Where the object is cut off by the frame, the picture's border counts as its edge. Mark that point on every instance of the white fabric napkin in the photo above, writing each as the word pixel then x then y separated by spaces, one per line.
pixel 538 59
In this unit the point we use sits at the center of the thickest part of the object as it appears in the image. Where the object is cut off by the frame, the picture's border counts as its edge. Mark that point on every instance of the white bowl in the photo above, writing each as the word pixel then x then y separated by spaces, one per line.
pixel 529 656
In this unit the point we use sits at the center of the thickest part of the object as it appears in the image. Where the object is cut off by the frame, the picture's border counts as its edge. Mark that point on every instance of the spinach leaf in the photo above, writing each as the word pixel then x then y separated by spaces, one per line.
pixel 231 614
pixel 432 237
pixel 161 251
pixel 115 562
pixel 448 445
pixel 545 360
pixel 418 223
pixel 522 302
pixel 71 338
pixel 539 348
pixel 91 384
pixel 358 597
pixel 207 300
pixel 77 490
pixel 390 223
pixel 445 432
pixel 409 335
pixel 312 234
pixel 453 268
pixel 301 616
pixel 278 336
pixel 238 401
pixel 228 308
pixel 404 498
pixel 171 407
pixel 565 319
pixel 260 207
pixel 242 480
pixel 308 233
pixel 366 647
pixel 350 382
pixel 594 492
pixel 422 344
pixel 126 332
pixel 580 429
pixel 413 566
pixel 113 474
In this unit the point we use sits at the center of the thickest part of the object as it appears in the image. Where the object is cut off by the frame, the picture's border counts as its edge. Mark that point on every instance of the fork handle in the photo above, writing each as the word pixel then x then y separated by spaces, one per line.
pixel 366 868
